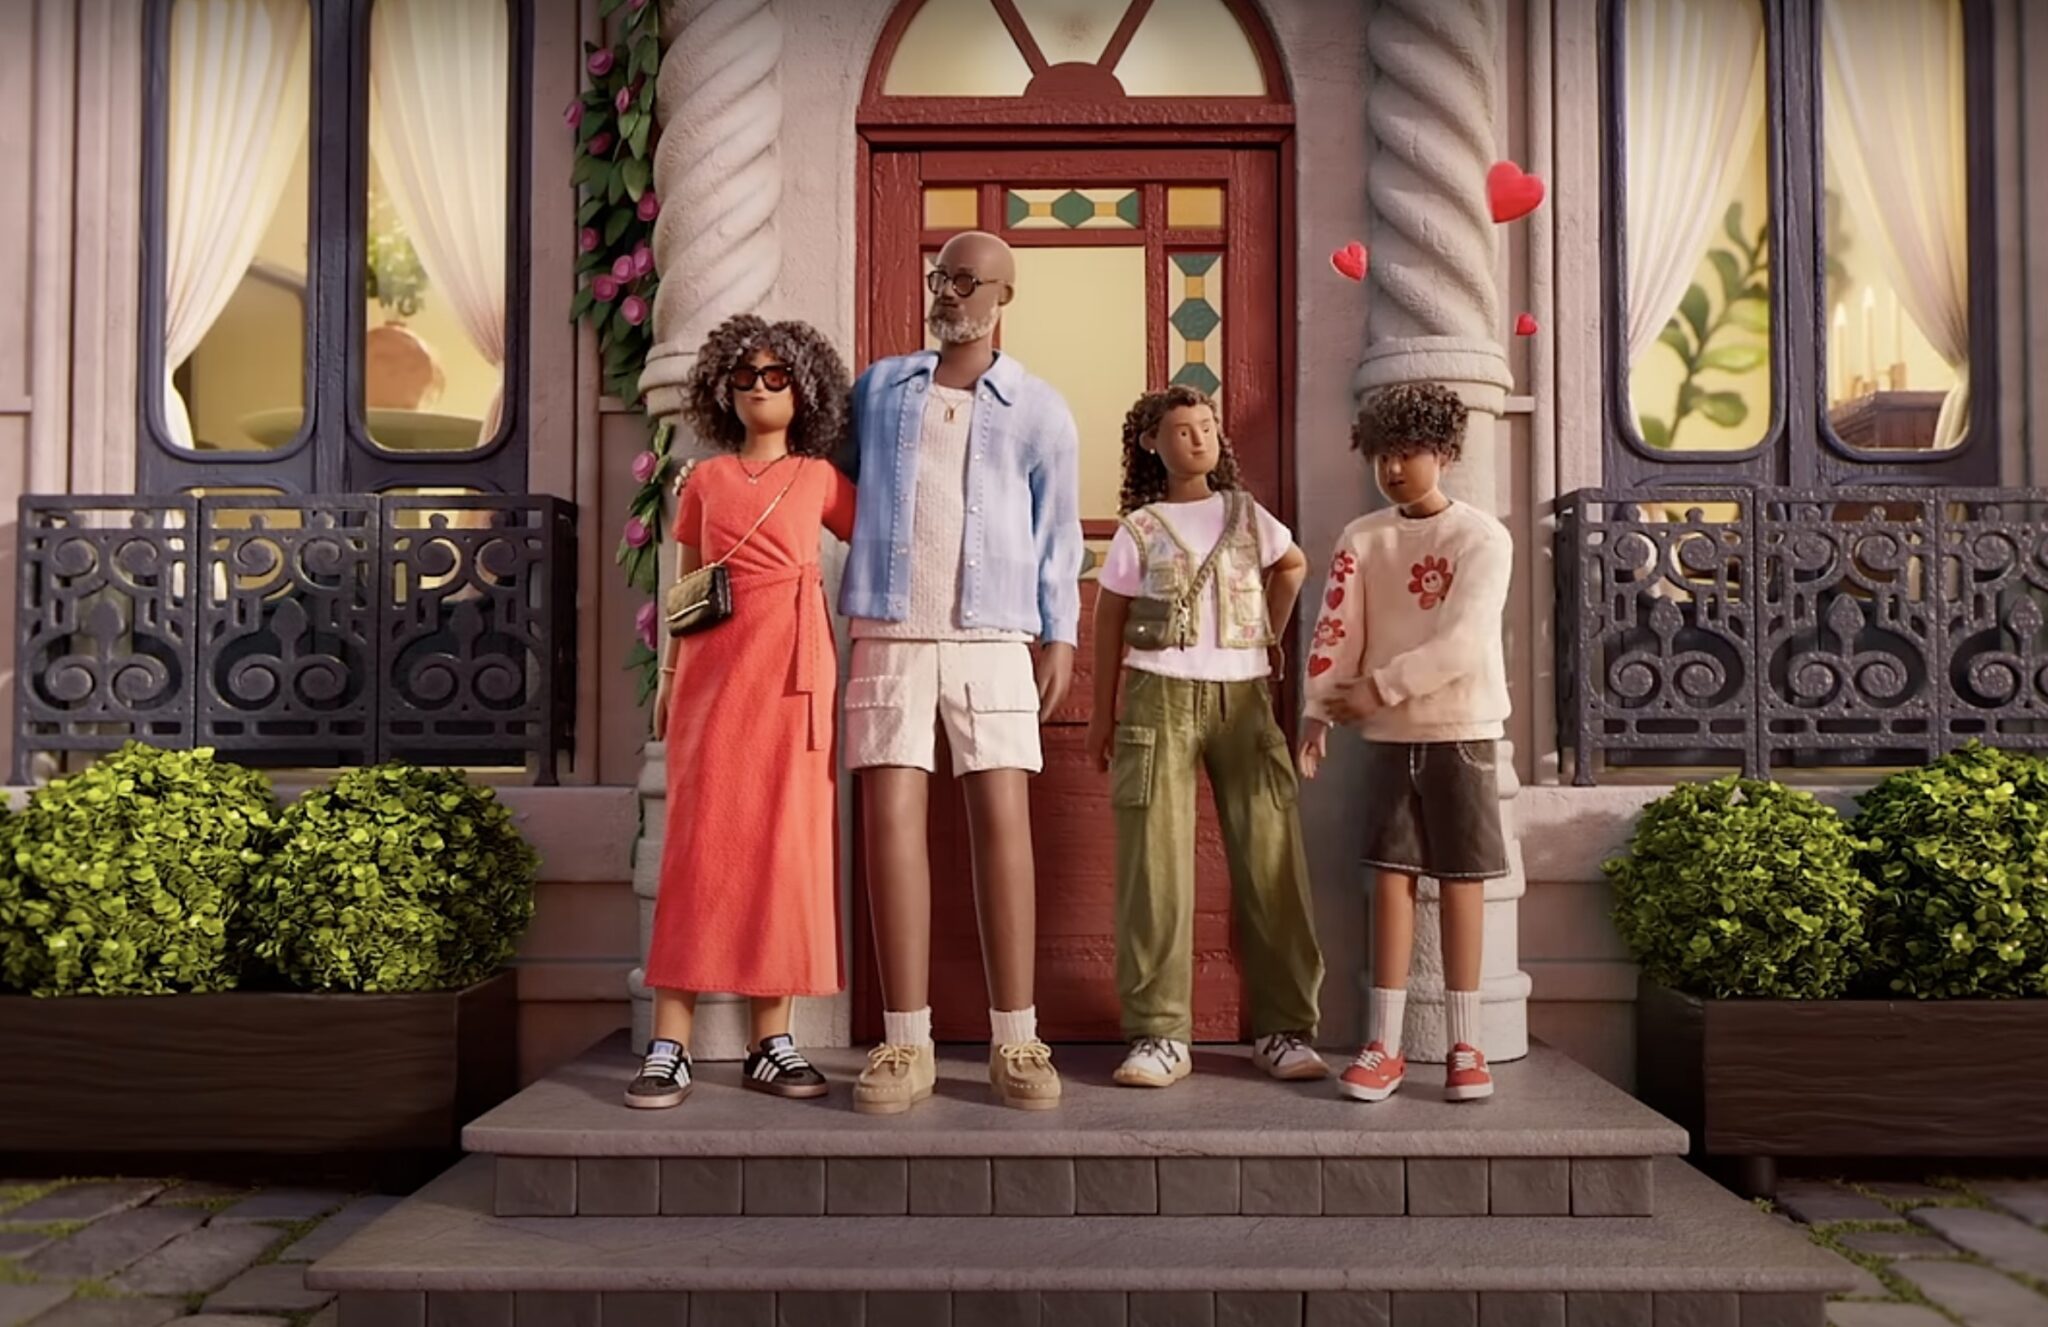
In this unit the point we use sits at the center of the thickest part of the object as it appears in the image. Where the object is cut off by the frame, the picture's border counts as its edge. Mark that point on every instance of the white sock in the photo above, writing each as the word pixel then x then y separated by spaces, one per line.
pixel 1013 1028
pixel 1461 1017
pixel 1389 1007
pixel 911 1029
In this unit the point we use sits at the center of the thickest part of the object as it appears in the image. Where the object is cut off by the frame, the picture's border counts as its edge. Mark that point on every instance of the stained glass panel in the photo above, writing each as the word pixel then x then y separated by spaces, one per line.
pixel 1181 48
pixel 951 209
pixel 1194 303
pixel 1193 208
pixel 1073 209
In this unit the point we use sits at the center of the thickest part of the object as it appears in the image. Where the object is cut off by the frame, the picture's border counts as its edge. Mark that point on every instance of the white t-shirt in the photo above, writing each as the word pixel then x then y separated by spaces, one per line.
pixel 1198 525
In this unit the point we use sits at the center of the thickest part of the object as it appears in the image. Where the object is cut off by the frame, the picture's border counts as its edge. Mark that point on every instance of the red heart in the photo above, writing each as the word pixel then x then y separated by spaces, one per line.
pixel 1511 193
pixel 1335 596
pixel 1350 261
pixel 1318 665
pixel 1525 325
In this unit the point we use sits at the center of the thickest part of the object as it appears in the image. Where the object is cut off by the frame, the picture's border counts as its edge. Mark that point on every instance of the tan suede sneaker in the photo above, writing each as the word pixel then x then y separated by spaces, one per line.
pixel 897 1077
pixel 1023 1076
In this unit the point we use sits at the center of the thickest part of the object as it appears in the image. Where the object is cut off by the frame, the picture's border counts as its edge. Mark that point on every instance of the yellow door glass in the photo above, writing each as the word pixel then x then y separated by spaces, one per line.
pixel 1078 322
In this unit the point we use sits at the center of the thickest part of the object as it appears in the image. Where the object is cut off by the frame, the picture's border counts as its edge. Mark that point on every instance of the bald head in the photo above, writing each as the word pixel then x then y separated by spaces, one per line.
pixel 985 254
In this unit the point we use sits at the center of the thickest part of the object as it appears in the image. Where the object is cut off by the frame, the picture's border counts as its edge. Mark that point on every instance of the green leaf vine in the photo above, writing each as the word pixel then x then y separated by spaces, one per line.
pixel 616 133
pixel 1730 339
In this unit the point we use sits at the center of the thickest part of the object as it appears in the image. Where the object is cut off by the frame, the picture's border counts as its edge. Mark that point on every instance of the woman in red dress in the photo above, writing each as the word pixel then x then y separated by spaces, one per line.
pixel 749 895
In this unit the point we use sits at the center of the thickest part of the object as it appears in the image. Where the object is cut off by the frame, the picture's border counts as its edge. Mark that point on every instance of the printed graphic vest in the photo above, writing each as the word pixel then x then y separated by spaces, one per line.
pixel 1236 585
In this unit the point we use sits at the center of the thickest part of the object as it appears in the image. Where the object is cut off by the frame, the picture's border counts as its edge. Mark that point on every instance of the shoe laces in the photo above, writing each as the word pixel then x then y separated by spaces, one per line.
pixel 1033 1054
pixel 1159 1048
pixel 1465 1060
pixel 1369 1059
pixel 1280 1045
pixel 887 1056
pixel 786 1058
pixel 664 1060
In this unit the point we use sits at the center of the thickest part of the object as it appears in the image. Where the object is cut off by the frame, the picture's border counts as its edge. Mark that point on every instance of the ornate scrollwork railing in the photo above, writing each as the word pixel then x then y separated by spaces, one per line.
pixel 298 631
pixel 1775 628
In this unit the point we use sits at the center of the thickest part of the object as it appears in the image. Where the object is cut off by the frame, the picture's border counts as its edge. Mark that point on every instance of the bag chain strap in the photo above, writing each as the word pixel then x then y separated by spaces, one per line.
pixel 763 518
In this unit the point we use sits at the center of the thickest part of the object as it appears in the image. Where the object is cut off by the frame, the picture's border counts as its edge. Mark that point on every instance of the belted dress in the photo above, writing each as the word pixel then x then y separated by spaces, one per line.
pixel 749 894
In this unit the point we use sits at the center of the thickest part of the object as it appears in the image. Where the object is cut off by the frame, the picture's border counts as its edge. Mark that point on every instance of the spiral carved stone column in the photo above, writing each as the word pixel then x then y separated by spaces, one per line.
pixel 1435 317
pixel 719 178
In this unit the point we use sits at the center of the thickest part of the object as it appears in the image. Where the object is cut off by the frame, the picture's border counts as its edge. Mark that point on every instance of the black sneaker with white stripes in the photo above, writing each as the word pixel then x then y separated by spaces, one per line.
pixel 664 1077
pixel 778 1067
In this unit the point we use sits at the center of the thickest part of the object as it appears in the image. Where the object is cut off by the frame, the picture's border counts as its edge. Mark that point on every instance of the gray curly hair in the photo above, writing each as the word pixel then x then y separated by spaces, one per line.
pixel 822 385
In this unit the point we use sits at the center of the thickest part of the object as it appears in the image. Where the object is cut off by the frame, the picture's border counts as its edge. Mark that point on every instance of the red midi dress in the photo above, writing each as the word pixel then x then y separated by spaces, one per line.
pixel 749 894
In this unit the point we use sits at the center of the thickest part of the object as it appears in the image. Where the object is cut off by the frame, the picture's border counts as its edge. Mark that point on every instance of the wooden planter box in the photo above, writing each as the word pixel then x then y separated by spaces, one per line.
pixel 1763 1079
pixel 254 1072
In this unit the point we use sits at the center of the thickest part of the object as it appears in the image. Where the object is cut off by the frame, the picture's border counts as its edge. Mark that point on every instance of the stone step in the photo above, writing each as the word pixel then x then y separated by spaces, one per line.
pixel 1707 1258
pixel 1555 1140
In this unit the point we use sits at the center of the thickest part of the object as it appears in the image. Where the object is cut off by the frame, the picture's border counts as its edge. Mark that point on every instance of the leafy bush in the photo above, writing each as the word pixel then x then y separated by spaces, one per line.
pixel 125 879
pixel 392 878
pixel 1743 887
pixel 1959 850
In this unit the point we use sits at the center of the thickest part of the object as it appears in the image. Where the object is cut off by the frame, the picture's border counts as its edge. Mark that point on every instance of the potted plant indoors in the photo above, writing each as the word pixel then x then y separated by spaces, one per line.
pixel 327 978
pixel 1825 988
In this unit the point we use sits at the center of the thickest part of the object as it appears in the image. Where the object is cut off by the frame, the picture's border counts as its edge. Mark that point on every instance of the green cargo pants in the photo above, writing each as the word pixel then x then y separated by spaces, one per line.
pixel 1170 726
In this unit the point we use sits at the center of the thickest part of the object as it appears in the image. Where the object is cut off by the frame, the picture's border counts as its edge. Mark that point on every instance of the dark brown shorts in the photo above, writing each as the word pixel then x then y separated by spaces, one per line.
pixel 1433 808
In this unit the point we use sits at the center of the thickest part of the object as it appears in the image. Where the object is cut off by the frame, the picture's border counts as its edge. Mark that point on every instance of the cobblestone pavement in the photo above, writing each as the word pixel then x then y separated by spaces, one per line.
pixel 1969 1251
pixel 140 1253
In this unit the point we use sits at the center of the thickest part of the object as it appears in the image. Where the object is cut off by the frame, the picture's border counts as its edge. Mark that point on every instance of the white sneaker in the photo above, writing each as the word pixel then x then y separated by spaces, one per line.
pixel 1286 1056
pixel 1155 1062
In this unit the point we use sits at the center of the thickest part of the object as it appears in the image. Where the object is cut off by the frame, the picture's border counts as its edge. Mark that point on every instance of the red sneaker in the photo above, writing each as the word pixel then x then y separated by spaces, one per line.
pixel 1465 1076
pixel 1374 1075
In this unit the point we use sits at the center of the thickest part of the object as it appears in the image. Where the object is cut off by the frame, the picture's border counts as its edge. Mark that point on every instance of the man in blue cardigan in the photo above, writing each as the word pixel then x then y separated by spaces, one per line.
pixel 966 551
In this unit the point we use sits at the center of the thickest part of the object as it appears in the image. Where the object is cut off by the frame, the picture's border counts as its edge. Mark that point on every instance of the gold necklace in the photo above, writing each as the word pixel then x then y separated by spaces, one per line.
pixel 754 476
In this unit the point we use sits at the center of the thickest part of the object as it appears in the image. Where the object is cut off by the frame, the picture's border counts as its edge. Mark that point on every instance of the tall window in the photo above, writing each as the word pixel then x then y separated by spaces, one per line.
pixel 1792 241
pixel 332 295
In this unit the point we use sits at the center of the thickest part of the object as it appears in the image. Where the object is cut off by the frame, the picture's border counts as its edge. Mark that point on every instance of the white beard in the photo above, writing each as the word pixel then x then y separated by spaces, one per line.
pixel 959 331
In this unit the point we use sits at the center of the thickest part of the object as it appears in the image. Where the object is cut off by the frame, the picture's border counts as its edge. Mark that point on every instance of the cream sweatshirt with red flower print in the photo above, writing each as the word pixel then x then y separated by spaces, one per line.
pixel 1416 604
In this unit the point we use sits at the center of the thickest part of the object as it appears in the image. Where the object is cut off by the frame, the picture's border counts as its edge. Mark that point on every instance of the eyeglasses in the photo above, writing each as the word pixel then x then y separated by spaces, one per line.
pixel 964 284
pixel 775 377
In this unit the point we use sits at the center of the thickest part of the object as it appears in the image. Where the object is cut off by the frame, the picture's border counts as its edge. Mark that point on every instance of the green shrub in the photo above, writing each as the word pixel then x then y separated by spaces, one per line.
pixel 1743 887
pixel 392 878
pixel 125 879
pixel 1959 850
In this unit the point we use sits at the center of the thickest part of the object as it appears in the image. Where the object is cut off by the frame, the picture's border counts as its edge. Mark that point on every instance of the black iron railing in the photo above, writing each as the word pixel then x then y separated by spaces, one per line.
pixel 299 631
pixel 1775 628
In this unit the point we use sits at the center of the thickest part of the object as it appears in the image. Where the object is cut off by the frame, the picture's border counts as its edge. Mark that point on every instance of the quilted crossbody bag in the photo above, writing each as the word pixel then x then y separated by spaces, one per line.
pixel 703 599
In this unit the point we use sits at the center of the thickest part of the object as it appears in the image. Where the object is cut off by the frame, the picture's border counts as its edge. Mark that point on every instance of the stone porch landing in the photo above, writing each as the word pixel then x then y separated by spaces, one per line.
pixel 1228 1200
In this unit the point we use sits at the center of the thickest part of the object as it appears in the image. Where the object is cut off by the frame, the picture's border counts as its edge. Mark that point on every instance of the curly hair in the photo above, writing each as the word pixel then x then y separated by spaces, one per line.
pixel 823 388
pixel 1144 472
pixel 1411 417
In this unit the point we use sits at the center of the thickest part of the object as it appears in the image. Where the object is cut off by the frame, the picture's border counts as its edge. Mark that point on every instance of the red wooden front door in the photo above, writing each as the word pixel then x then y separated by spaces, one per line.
pixel 1137 266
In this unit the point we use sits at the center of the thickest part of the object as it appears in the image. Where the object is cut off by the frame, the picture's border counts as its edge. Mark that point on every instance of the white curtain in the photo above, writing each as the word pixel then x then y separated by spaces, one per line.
pixel 438 79
pixel 1895 133
pixel 238 97
pixel 1695 99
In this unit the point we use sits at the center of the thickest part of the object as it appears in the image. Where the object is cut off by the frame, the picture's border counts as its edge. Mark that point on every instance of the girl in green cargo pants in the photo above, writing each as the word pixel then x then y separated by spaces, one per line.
pixel 1198 583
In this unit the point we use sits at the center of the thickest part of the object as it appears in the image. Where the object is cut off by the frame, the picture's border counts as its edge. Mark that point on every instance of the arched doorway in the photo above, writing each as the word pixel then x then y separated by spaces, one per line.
pixel 1138 158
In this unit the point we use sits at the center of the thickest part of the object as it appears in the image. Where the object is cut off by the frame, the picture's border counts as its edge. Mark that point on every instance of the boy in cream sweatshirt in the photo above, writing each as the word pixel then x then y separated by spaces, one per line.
pixel 1407 653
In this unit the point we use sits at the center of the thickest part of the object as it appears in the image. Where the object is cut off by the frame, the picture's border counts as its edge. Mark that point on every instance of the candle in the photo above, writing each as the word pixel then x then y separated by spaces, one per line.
pixel 1898 330
pixel 1838 355
pixel 1870 334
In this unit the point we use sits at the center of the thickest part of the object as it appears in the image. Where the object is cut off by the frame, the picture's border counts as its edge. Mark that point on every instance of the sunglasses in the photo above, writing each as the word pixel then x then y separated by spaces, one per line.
pixel 775 377
pixel 964 284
